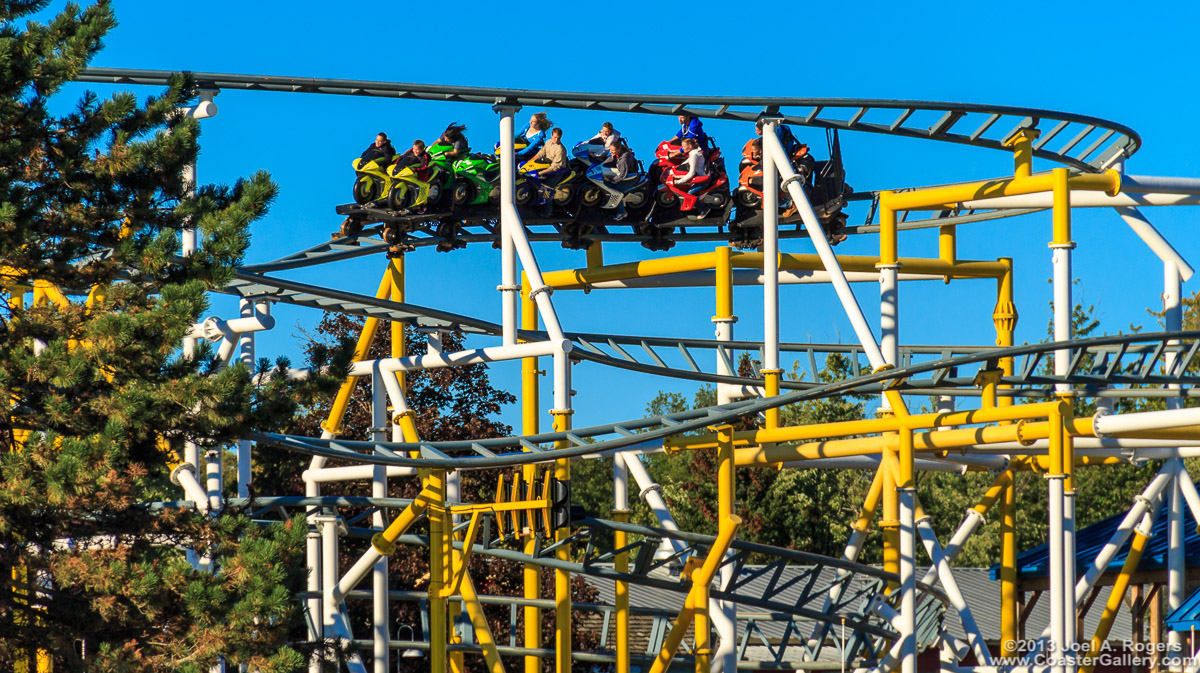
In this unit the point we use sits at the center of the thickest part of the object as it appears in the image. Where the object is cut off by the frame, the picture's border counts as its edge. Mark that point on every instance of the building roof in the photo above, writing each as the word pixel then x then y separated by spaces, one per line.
pixel 1089 541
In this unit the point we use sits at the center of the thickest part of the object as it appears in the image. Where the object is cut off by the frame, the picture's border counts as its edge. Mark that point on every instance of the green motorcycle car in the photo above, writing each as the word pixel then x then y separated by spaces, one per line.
pixel 476 181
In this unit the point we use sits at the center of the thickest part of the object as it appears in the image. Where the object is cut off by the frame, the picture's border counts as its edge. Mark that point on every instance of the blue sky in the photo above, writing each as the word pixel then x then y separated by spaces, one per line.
pixel 1134 68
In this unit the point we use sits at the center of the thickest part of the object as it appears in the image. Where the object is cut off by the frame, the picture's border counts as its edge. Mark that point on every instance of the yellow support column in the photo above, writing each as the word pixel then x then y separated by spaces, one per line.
pixel 439 547
pixel 1022 144
pixel 562 578
pixel 948 245
pixel 532 577
pixel 771 386
pixel 1009 606
pixel 595 255
pixel 620 539
pixel 396 276
pixel 333 424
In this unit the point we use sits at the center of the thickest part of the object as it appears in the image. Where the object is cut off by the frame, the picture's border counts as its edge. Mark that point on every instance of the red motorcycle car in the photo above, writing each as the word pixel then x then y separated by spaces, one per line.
pixel 670 168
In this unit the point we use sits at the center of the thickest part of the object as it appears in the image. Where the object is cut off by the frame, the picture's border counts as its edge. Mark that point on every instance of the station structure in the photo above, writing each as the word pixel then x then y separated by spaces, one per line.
pixel 1002 412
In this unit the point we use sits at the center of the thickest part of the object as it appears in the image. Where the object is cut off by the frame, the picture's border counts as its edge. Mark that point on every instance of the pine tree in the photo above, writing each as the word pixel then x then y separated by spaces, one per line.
pixel 100 400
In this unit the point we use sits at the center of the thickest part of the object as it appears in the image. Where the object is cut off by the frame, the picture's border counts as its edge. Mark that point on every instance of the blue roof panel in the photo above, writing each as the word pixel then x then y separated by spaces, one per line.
pixel 1089 541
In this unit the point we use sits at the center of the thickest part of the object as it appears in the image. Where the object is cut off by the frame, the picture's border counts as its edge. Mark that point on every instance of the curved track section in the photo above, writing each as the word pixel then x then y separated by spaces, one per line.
pixel 1083 142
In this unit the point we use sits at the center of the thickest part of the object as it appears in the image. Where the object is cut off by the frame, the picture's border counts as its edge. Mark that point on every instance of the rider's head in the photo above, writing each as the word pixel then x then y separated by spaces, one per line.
pixel 684 119
pixel 454 131
pixel 380 139
pixel 539 121
pixel 556 135
pixel 606 129
pixel 617 149
pixel 418 146
pixel 758 126
pixel 690 144
pixel 756 148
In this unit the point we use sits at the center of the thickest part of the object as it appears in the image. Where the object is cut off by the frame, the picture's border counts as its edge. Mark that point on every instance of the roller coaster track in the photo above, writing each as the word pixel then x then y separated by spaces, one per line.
pixel 1083 142
pixel 1099 366
pixel 1096 361
pixel 799 597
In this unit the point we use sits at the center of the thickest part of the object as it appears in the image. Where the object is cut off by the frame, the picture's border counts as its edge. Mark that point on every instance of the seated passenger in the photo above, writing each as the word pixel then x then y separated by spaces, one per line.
pixel 752 151
pixel 691 180
pixel 619 166
pixel 381 149
pixel 792 145
pixel 416 157
pixel 607 135
pixel 535 135
pixel 555 154
pixel 689 127
pixel 453 136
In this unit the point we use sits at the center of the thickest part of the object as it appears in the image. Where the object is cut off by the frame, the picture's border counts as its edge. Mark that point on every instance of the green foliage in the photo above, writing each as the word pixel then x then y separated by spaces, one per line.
pixel 91 205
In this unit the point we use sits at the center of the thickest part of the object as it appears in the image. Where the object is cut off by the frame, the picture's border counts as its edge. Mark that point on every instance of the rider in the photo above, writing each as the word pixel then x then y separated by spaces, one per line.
pixel 535 135
pixel 607 135
pixel 556 154
pixel 380 149
pixel 689 127
pixel 416 157
pixel 453 136
pixel 792 145
pixel 695 164
pixel 620 165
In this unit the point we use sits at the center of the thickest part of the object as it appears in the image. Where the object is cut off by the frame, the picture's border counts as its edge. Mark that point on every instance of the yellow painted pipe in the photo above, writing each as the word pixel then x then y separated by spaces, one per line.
pixel 579 278
pixel 333 423
pixel 948 245
pixel 1108 182
pixel 483 633
pixel 771 385
pixel 1022 144
pixel 726 474
pixel 562 578
pixel 439 548
pixel 723 261
pixel 399 348
pixel 702 654
pixel 1004 316
pixel 1009 607
pixel 871 426
pixel 890 521
pixel 1117 595
pixel 998 488
pixel 531 577
pixel 700 577
pixel 888 244
pixel 595 255
pixel 620 539
pixel 384 542
pixel 1062 207
pixel 867 514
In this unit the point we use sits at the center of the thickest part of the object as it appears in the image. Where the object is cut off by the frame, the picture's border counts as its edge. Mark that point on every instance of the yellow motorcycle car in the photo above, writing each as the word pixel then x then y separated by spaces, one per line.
pixel 371 180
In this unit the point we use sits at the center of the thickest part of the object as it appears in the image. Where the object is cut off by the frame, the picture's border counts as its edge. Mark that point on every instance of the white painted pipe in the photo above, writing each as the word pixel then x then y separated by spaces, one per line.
pixel 1141 503
pixel 1146 184
pixel 537 287
pixel 1113 424
pixel 354 473
pixel 214 328
pixel 1081 200
pixel 509 286
pixel 562 377
pixel 327 525
pixel 1176 561
pixel 971 520
pixel 853 547
pixel 908 580
pixel 1054 561
pixel 620 482
pixel 773 151
pixel 1142 449
pixel 185 476
pixel 467 357
pixel 978 645
pixel 379 489
pixel 748 277
pixel 1190 496
pixel 650 494
pixel 244 450
pixel 770 272
pixel 1155 241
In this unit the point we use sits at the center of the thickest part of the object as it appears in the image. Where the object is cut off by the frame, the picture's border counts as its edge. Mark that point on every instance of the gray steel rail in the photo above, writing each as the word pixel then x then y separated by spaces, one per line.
pixel 649 432
pixel 986 126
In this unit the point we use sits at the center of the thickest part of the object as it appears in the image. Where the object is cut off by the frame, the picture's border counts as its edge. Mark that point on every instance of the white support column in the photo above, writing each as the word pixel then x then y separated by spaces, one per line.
pixel 509 285
pixel 379 574
pixel 246 355
pixel 1176 562
pixel 773 151
pixel 770 257
pixel 908 580
pixel 1062 504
